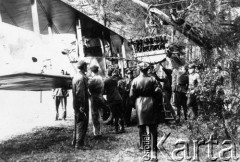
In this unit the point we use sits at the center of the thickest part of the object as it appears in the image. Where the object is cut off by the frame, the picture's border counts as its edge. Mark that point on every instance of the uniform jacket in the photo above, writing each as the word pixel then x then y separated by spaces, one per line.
pixel 80 91
pixel 144 90
pixel 181 81
pixel 111 89
pixel 95 85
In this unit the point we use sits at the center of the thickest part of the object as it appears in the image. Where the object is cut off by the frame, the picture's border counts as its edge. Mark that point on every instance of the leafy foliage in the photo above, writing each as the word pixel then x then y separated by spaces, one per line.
pixel 219 110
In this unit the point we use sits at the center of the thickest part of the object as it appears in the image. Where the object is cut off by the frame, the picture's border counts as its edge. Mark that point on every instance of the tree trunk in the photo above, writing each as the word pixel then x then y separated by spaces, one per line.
pixel 208 57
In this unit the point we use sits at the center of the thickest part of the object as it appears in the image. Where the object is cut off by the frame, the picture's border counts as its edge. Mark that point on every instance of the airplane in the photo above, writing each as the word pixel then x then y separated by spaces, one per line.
pixel 39 38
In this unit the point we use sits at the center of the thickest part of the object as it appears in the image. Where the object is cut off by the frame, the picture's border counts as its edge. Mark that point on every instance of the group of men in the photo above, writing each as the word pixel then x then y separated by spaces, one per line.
pixel 144 92
pixel 186 81
pixel 94 88
pixel 121 95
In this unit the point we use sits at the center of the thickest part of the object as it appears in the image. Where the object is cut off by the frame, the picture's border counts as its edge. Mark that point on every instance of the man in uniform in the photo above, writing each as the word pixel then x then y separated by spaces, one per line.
pixel 180 89
pixel 114 99
pixel 194 81
pixel 95 85
pixel 144 91
pixel 126 100
pixel 80 105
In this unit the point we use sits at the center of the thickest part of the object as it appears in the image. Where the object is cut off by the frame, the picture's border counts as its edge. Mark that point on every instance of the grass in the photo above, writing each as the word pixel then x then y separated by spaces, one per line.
pixel 54 144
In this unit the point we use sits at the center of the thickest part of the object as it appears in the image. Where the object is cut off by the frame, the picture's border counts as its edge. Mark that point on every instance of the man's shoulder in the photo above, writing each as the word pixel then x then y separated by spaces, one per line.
pixel 78 77
pixel 96 77
pixel 107 79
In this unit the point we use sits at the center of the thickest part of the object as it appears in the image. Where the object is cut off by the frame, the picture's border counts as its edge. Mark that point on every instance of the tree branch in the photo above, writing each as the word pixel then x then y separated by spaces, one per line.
pixel 186 29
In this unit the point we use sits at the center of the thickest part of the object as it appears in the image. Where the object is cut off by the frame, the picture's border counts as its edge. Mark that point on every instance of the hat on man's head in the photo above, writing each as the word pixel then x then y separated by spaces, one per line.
pixel 115 72
pixel 143 66
pixel 191 66
pixel 94 68
pixel 110 71
pixel 128 71
pixel 186 67
pixel 219 67
pixel 81 64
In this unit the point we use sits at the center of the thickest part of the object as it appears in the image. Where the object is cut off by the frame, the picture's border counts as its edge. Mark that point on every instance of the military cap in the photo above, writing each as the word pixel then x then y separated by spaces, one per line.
pixel 128 71
pixel 143 66
pixel 191 66
pixel 81 64
pixel 94 68
pixel 186 67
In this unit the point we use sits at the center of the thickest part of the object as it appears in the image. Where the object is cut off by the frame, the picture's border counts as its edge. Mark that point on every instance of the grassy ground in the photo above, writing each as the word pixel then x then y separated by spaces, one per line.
pixel 54 144
pixel 29 133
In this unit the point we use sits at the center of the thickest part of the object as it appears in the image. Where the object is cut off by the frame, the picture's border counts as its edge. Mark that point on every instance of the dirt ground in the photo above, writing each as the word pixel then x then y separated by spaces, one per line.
pixel 29 132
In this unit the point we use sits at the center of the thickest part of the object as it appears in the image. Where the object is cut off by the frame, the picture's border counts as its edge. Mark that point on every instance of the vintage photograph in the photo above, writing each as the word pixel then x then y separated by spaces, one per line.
pixel 119 80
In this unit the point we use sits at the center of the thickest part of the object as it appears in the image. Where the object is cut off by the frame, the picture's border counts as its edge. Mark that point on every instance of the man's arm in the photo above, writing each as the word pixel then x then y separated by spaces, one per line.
pixel 79 89
pixel 132 93
pixel 174 79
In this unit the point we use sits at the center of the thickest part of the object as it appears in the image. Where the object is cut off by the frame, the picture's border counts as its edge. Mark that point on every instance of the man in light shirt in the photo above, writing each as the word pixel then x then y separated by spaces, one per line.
pixel 96 86
pixel 194 82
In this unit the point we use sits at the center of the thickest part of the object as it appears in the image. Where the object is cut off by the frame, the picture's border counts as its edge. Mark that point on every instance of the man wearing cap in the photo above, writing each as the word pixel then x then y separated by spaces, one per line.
pixel 126 100
pixel 80 105
pixel 180 89
pixel 194 81
pixel 114 99
pixel 96 86
pixel 144 91
pixel 219 80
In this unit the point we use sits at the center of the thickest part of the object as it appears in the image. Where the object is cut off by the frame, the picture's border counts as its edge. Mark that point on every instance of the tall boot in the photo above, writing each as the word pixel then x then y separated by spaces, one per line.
pixel 116 125
pixel 141 133
pixel 122 129
pixel 153 133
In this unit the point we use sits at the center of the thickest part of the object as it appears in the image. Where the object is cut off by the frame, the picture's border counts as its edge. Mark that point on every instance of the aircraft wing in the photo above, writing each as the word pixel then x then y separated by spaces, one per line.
pixel 34 82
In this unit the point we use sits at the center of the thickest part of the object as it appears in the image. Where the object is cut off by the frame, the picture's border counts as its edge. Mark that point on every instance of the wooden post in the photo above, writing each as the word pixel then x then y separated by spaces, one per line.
pixel 36 27
pixel 50 30
pixel 124 57
pixel 40 96
pixel 79 39
pixel 103 52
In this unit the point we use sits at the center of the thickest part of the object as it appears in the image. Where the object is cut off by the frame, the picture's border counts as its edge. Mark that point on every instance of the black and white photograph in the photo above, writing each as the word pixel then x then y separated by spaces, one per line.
pixel 119 80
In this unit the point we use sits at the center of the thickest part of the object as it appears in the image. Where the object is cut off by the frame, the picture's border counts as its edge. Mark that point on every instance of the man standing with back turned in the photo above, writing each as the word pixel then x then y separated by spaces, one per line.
pixel 144 91
pixel 80 105
pixel 98 103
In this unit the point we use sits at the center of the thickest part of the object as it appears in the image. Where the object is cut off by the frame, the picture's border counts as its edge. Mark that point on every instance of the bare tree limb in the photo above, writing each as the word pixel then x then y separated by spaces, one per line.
pixel 186 29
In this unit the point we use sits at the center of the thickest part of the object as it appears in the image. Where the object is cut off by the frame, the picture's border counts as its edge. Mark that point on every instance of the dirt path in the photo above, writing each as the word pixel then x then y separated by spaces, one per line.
pixel 20 112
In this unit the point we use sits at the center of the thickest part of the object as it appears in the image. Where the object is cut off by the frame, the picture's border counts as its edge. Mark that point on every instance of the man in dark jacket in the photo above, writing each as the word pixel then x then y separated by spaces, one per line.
pixel 143 92
pixel 180 89
pixel 80 105
pixel 124 88
pixel 114 100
